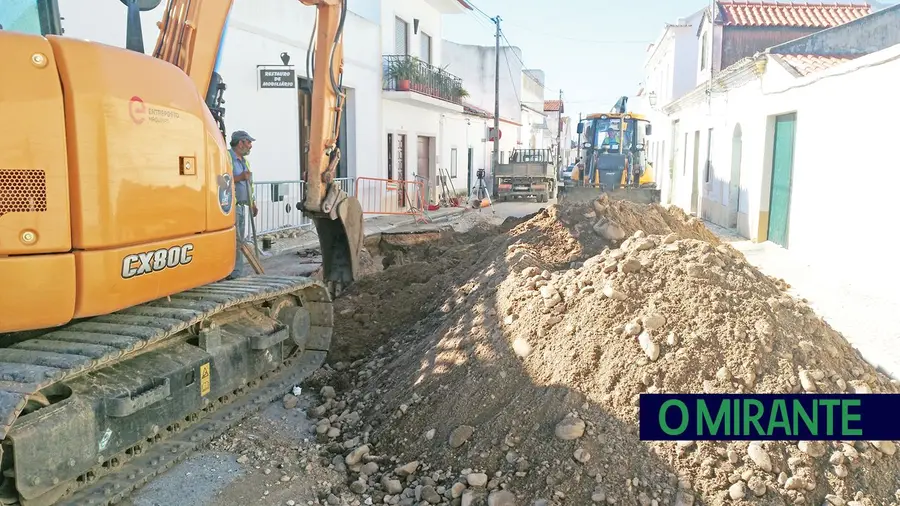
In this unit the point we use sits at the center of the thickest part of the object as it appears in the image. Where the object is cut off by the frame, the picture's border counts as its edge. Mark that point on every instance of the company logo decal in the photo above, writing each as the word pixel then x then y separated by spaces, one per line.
pixel 140 112
pixel 226 193
pixel 156 260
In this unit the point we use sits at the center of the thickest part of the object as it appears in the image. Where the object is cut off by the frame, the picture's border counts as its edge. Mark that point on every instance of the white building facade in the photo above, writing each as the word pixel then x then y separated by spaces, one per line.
pixel 670 71
pixel 419 96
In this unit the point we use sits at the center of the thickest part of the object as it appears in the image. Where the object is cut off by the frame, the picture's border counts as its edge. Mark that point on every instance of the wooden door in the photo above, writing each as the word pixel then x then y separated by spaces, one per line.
pixel 422 166
pixel 782 170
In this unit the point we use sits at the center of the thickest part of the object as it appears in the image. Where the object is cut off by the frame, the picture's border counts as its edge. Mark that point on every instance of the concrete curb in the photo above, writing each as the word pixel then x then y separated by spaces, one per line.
pixel 411 221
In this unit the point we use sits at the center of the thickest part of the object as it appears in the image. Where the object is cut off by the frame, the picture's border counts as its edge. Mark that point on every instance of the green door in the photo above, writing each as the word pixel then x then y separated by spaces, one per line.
pixel 782 167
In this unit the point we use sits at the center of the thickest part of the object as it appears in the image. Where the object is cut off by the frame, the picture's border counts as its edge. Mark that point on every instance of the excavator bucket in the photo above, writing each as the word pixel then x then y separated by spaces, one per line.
pixel 341 237
pixel 573 194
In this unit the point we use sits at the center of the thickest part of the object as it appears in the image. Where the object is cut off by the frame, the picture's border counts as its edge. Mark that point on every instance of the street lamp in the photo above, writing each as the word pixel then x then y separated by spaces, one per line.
pixel 652 98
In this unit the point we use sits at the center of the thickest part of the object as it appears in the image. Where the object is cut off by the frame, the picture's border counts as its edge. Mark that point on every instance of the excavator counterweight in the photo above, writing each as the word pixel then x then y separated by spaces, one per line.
pixel 121 347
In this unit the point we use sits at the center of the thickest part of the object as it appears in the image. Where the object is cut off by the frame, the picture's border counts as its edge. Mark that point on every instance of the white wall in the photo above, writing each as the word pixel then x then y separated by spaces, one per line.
pixel 409 10
pixel 258 32
pixel 476 65
pixel 838 192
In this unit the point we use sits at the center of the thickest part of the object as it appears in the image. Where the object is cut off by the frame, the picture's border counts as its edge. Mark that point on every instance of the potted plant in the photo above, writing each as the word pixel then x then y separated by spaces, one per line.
pixel 458 92
pixel 404 71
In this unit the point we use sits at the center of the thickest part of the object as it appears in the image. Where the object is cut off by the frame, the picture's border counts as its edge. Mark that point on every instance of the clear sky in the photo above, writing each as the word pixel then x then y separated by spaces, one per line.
pixel 593 49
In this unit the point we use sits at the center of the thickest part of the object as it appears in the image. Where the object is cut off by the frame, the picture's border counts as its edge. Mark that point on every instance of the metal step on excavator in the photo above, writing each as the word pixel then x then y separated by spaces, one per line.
pixel 122 350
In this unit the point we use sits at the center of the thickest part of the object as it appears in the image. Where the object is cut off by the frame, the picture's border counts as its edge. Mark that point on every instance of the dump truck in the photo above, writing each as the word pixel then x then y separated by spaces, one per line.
pixel 527 173
pixel 613 158
pixel 122 346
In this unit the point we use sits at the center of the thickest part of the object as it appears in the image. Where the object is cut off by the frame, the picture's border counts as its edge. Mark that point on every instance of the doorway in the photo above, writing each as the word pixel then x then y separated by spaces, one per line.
pixel 782 172
pixel 304 92
pixel 423 166
pixel 734 182
pixel 470 164
pixel 695 183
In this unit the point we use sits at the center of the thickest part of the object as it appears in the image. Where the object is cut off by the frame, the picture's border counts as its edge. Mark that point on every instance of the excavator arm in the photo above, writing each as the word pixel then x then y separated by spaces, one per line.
pixel 190 37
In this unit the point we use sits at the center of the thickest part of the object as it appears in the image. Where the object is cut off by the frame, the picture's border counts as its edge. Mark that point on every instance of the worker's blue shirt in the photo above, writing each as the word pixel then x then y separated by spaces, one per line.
pixel 241 188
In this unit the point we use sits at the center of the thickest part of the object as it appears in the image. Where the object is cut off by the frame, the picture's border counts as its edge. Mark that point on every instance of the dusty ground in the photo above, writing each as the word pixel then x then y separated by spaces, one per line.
pixel 502 365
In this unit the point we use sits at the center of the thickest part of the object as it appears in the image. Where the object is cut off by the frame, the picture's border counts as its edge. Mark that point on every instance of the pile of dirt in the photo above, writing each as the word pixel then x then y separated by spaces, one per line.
pixel 516 363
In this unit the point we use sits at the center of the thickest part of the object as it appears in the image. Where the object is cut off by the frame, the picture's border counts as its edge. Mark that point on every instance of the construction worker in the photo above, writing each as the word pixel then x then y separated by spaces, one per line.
pixel 611 139
pixel 241 144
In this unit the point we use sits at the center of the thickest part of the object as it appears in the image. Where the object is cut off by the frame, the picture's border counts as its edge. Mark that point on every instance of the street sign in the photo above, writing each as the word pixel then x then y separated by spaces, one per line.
pixel 277 77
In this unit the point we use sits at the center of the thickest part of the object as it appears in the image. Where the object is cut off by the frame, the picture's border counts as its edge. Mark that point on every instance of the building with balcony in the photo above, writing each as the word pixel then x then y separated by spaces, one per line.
pixel 416 91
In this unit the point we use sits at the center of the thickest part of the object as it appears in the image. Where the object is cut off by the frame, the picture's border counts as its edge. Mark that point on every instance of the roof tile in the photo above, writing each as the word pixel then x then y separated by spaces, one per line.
pixel 805 64
pixel 552 105
pixel 795 14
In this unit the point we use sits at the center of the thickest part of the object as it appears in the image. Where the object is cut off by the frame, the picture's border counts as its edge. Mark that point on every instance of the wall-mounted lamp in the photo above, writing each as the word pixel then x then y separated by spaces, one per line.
pixel 415 25
pixel 285 58
pixel 652 98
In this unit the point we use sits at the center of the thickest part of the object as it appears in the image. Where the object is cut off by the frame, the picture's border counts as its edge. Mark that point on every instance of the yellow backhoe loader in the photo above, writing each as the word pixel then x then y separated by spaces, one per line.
pixel 121 347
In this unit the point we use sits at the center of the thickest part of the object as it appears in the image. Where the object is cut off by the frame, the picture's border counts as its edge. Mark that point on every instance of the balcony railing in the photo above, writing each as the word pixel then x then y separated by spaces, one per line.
pixel 408 73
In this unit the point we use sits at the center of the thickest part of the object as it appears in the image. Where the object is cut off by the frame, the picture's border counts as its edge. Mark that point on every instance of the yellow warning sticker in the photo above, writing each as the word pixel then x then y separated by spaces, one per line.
pixel 204 379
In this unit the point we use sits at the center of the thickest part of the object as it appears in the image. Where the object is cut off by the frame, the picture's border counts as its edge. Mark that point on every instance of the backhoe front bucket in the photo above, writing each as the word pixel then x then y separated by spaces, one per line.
pixel 341 237
pixel 573 194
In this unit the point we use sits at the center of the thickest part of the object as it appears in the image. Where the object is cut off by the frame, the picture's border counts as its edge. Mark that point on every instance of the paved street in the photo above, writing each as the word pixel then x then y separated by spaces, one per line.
pixel 864 309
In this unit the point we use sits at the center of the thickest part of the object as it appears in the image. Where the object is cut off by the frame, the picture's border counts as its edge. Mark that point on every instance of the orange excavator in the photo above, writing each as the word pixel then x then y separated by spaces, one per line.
pixel 122 347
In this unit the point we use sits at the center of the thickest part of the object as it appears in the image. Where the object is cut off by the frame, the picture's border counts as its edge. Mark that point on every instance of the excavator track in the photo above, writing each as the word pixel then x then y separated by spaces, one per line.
pixel 95 409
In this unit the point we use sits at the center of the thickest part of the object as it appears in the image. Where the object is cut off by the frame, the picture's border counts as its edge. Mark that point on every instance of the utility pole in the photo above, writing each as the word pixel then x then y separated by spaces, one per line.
pixel 578 147
pixel 496 161
pixel 559 128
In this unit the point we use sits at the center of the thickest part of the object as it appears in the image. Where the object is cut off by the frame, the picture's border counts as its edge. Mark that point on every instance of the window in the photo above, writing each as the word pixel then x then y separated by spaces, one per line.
pixel 709 147
pixel 35 17
pixel 425 49
pixel 704 50
pixel 453 162
pixel 401 34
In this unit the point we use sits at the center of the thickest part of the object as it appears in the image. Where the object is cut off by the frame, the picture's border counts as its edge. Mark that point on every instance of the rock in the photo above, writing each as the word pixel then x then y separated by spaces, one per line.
pixel 733 456
pixel 759 457
pixel 369 468
pixel 477 479
pixel 333 432
pixel 502 498
pixel 795 483
pixel 671 339
pixel 609 230
pixel 460 435
pixel 457 490
pixel 598 496
pixel 737 491
pixel 392 487
pixel 814 449
pixel 654 321
pixel 630 265
pixel 835 500
pixel 327 392
pixel 407 469
pixel 467 499
pixel 806 381
pixel 581 455
pixel 356 455
pixel 290 401
pixel 550 295
pixel 530 272
pixel 650 348
pixel 358 487
pixel 430 495
pixel 430 434
pixel 521 347
pixel 684 498
pixel 632 328
pixel 723 374
pixel 612 293
pixel 841 471
pixel 669 239
pixel 888 448
pixel 243 459
pixel 570 428
pixel 757 485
